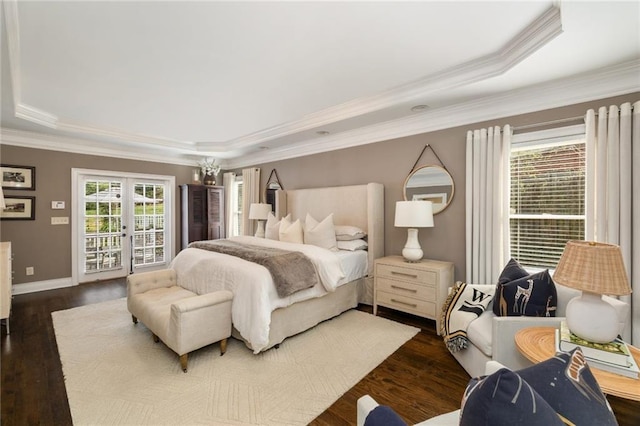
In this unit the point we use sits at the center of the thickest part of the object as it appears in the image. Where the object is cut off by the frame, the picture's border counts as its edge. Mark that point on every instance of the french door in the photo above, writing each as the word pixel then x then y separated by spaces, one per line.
pixel 123 224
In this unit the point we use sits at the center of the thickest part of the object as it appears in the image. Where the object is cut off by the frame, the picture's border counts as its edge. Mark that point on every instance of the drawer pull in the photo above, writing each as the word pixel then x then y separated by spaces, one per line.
pixel 404 274
pixel 411 290
pixel 413 305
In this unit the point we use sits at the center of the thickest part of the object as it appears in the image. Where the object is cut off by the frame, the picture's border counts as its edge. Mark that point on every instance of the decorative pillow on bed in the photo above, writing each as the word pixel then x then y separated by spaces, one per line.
pixel 352 245
pixel 533 296
pixel 291 232
pixel 272 228
pixel 321 234
pixel 348 233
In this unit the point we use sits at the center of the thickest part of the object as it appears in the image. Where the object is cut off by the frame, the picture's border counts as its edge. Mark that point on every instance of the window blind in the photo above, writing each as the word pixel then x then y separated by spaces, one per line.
pixel 547 198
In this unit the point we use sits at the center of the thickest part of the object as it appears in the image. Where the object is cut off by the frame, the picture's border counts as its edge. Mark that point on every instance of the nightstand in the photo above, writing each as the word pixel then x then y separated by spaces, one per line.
pixel 417 288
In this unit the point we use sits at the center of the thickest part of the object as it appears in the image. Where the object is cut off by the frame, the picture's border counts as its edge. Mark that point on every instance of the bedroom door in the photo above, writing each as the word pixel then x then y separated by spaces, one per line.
pixel 121 226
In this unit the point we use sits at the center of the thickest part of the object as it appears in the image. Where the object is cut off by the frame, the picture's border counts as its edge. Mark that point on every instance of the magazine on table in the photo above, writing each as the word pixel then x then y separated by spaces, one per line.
pixel 614 352
pixel 627 367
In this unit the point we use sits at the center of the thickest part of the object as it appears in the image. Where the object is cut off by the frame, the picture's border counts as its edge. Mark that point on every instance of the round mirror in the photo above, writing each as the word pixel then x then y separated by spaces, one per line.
pixel 430 183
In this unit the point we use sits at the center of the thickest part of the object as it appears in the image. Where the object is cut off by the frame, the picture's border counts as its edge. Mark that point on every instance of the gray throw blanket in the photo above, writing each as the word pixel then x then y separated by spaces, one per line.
pixel 291 271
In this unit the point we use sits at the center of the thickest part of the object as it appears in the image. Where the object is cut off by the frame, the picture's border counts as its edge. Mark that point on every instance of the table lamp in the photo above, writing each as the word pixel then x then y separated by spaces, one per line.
pixel 259 212
pixel 596 269
pixel 413 215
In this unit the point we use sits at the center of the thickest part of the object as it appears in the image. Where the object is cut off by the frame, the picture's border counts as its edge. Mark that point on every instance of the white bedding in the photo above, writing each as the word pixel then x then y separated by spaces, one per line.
pixel 255 296
pixel 355 264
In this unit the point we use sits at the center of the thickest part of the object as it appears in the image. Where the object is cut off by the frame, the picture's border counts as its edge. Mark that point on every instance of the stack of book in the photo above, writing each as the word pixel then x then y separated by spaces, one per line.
pixel 614 356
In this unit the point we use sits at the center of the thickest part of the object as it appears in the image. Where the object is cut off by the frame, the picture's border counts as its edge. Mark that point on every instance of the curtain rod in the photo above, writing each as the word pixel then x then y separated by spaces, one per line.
pixel 549 123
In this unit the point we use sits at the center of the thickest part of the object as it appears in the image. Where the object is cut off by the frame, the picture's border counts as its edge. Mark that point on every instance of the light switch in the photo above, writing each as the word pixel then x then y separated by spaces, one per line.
pixel 57 205
pixel 60 220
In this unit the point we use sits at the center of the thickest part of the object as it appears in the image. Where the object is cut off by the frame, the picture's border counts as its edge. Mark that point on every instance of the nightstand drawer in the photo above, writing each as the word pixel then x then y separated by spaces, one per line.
pixel 416 276
pixel 406 304
pixel 402 288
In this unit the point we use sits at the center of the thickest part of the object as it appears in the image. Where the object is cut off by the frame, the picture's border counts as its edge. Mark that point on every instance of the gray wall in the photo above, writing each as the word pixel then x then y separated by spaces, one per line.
pixel 48 248
pixel 390 162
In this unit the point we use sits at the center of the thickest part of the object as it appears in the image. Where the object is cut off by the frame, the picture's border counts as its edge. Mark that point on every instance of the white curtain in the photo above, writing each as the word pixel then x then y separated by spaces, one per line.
pixel 228 179
pixel 250 194
pixel 487 203
pixel 612 213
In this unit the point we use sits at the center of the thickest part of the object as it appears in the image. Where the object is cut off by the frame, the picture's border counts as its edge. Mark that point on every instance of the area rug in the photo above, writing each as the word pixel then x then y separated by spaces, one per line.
pixel 115 374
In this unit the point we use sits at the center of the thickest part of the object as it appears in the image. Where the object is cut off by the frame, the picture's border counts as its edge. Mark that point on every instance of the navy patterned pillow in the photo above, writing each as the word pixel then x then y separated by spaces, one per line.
pixel 504 398
pixel 533 295
pixel 567 384
pixel 512 271
pixel 383 415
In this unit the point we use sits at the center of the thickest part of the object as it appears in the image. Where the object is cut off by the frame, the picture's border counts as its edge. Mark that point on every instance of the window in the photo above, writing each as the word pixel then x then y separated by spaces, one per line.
pixel 547 194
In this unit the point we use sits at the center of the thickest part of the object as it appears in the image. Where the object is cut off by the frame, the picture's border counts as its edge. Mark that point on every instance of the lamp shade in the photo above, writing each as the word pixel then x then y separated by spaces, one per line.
pixel 259 211
pixel 414 214
pixel 593 267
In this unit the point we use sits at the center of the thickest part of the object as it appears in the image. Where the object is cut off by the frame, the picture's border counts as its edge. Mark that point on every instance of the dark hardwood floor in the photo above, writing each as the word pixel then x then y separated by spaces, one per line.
pixel 420 380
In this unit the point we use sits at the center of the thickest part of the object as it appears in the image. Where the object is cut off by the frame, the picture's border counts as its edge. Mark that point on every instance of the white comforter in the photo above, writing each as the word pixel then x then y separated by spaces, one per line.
pixel 254 293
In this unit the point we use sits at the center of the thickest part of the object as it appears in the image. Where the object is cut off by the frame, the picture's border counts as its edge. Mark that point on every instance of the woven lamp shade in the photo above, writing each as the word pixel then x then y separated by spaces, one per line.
pixel 593 267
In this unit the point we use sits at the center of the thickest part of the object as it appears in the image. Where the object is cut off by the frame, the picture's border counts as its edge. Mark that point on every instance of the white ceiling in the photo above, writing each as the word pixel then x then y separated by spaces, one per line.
pixel 249 82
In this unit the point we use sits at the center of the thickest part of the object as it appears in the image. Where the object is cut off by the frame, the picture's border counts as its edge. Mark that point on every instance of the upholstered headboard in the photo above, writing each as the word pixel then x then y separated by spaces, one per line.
pixel 355 205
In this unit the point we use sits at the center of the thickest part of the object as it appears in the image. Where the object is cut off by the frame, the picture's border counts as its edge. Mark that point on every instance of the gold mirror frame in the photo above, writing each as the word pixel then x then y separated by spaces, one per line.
pixel 270 188
pixel 431 183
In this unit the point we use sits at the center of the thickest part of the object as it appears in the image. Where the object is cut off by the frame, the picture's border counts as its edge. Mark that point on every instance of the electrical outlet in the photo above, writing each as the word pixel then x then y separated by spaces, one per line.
pixel 29 270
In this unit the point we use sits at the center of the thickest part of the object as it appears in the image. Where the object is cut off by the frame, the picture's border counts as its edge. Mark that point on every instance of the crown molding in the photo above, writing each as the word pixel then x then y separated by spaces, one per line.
pixel 612 81
pixel 36 140
pixel 537 34
pixel 35 115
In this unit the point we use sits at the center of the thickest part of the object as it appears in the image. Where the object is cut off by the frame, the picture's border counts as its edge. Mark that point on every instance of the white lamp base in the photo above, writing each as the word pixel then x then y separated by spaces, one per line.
pixel 260 230
pixel 593 319
pixel 412 252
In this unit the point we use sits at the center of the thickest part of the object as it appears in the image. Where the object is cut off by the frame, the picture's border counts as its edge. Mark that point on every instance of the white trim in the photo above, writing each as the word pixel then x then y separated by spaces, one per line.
pixel 36 140
pixel 558 136
pixel 36 286
pixel 613 81
pixel 607 82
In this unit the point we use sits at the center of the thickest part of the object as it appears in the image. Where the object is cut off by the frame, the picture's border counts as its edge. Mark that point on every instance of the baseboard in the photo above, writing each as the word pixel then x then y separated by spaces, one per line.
pixel 35 286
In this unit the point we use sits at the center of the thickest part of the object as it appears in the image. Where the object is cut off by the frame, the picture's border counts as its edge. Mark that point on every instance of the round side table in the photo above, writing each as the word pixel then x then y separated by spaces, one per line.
pixel 538 344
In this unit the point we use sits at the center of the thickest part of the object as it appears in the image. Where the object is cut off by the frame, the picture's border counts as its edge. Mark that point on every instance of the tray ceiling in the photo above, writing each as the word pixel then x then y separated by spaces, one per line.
pixel 248 82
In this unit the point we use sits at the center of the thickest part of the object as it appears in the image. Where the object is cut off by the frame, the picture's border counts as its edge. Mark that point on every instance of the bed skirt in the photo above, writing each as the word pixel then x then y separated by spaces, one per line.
pixel 301 316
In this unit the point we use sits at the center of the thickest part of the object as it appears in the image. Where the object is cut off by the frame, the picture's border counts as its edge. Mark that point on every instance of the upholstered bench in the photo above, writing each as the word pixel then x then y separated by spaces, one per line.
pixel 183 320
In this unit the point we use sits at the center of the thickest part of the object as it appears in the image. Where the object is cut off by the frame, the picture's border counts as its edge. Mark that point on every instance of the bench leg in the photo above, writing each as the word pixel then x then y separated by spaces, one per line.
pixel 183 362
pixel 223 346
pixel 135 320
pixel 156 339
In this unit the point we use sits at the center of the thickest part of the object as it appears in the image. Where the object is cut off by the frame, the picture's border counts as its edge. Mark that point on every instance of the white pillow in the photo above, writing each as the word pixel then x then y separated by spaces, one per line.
pixel 291 232
pixel 272 228
pixel 320 234
pixel 348 233
pixel 352 245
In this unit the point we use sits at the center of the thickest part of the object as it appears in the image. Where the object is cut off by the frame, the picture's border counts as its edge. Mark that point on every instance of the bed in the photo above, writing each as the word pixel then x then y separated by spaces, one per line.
pixel 263 327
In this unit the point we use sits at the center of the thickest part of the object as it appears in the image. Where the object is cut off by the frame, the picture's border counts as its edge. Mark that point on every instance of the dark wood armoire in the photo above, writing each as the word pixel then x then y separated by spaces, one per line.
pixel 202 213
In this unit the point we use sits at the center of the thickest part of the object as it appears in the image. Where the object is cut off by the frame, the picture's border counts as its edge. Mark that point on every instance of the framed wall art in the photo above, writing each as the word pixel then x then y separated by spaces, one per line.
pixel 18 177
pixel 19 208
